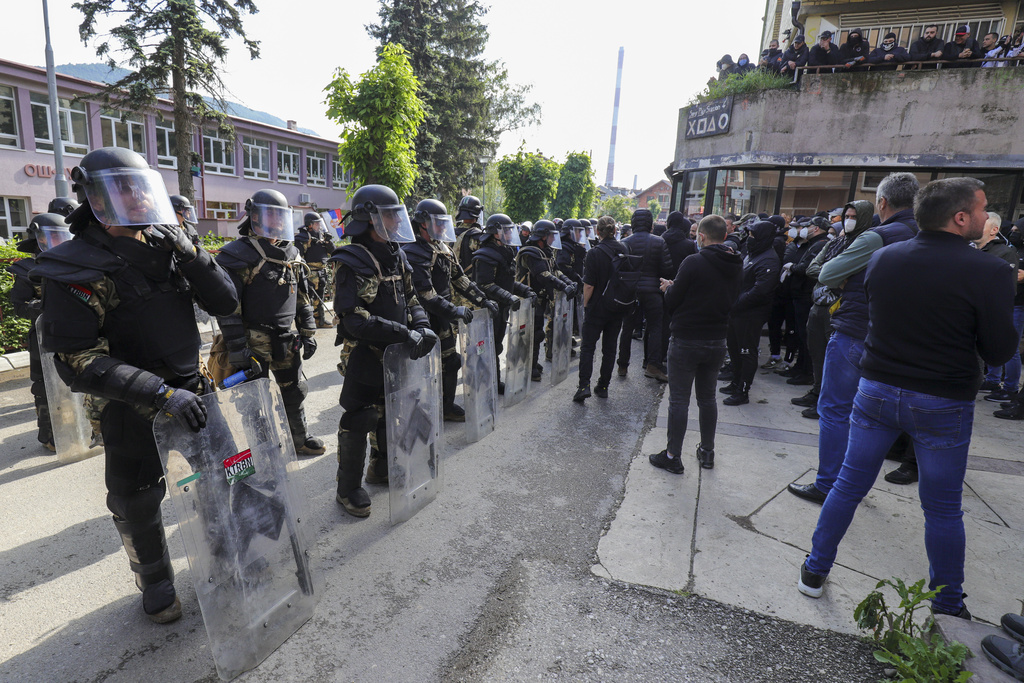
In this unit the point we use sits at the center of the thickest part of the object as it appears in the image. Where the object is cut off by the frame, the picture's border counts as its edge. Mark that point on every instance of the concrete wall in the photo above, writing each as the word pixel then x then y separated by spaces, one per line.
pixel 959 118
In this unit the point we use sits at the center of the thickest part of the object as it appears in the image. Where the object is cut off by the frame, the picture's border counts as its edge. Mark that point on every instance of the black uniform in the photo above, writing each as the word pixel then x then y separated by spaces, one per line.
pixel 315 248
pixel 494 272
pixel 600 322
pixel 569 261
pixel 26 298
pixel 535 267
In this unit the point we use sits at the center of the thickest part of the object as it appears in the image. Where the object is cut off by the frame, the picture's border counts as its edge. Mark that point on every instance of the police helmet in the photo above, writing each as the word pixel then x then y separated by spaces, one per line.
pixel 377 206
pixel 432 215
pixel 268 215
pixel 45 231
pixel 120 189
pixel 470 208
pixel 566 228
pixel 62 205
pixel 314 220
pixel 184 208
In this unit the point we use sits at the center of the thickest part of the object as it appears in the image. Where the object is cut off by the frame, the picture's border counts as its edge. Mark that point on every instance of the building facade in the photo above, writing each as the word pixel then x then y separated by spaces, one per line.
pixel 660 192
pixel 302 166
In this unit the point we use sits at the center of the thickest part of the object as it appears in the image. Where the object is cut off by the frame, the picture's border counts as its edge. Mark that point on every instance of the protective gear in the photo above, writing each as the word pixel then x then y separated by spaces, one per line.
pixel 493 307
pixel 541 229
pixel 393 224
pixel 45 231
pixel 183 207
pixel 182 405
pixel 498 221
pixel 464 314
pixel 423 341
pixel 308 347
pixel 479 376
pixel 242 358
pixel 173 239
pixel 793 233
pixel 367 203
pixel 311 220
pixel 803 233
pixel 268 215
pixel 849 225
pixel 433 216
pixel 138 521
pixel 65 206
pixel 121 189
pixel 568 228
pixel 269 280
pixel 469 209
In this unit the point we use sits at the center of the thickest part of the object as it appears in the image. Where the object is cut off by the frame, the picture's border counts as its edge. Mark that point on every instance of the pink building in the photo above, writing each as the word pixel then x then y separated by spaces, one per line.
pixel 302 166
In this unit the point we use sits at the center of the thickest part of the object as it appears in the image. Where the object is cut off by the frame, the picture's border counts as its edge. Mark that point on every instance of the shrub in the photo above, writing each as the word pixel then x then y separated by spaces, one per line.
pixel 13 330
pixel 752 81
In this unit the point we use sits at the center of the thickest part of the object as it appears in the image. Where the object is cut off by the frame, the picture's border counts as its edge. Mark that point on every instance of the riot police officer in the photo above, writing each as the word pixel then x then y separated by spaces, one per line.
pixel 269 275
pixel 435 272
pixel 45 231
pixel 118 314
pixel 62 205
pixel 315 247
pixel 570 261
pixel 467 229
pixel 535 267
pixel 494 272
pixel 376 301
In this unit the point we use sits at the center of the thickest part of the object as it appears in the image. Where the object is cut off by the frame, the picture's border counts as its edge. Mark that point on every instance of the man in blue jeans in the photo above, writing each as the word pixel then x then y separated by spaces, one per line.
pixel 934 305
pixel 895 200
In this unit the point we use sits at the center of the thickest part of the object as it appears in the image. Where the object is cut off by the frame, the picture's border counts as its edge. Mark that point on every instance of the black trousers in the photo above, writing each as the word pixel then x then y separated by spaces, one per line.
pixel 652 304
pixel 742 338
pixel 631 320
pixel 689 362
pixel 603 325
pixel 802 308
pixel 818 330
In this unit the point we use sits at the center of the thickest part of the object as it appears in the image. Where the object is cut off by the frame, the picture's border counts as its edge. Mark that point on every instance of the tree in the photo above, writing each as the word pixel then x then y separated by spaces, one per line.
pixel 469 101
pixel 529 180
pixel 493 198
pixel 619 207
pixel 575 187
pixel 172 52
pixel 380 114
pixel 655 207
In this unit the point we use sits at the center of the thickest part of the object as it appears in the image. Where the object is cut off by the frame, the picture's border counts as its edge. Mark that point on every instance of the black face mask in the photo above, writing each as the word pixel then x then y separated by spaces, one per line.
pixel 1016 238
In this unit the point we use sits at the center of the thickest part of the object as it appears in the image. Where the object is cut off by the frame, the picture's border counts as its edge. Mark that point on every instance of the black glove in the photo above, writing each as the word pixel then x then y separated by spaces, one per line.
pixel 174 239
pixel 492 306
pixel 183 405
pixel 516 303
pixel 241 358
pixel 308 347
pixel 422 340
pixel 570 291
pixel 464 314
pixel 531 295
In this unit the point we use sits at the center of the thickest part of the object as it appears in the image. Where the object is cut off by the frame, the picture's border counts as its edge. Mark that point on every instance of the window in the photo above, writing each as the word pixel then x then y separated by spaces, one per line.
pixel 13 217
pixel 124 130
pixel 225 211
pixel 8 118
pixel 256 158
pixel 342 176
pixel 74 128
pixel 287 164
pixel 217 156
pixel 745 191
pixel 166 144
pixel 316 169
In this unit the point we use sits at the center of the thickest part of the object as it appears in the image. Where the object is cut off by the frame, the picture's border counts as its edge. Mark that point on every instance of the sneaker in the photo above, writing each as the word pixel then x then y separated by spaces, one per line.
pixel 810 413
pixel 731 388
pixel 311 446
pixel 706 457
pixel 737 399
pixel 808 492
pixel 356 503
pixel 772 363
pixel 988 386
pixel 537 375
pixel 1013 624
pixel 1007 655
pixel 662 461
pixel 1000 396
pixel 49 446
pixel 654 372
pixel 787 371
pixel 622 370
pixel 808 400
pixel 1014 412
pixel 810 584
pixel 454 413
pixel 801 381
pixel 160 602
pixel 902 475
pixel 600 391
pixel 582 394
pixel 962 613
pixel 725 376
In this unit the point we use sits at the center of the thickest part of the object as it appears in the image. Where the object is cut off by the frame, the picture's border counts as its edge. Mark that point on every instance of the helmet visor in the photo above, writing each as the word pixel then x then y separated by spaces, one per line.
pixel 129 197
pixel 50 236
pixel 580 235
pixel 555 240
pixel 318 225
pixel 442 227
pixel 591 234
pixel 273 222
pixel 510 236
pixel 392 224
pixel 188 214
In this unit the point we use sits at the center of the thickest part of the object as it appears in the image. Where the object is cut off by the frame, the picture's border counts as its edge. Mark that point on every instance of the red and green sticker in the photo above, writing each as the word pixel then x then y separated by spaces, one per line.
pixel 480 347
pixel 238 467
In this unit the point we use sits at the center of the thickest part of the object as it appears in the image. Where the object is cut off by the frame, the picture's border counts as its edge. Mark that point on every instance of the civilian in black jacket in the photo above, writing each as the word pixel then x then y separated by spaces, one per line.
pixel 770 57
pixel 816 237
pixel 795 56
pixel 824 53
pixel 888 55
pixel 962 51
pixel 927 48
pixel 760 278
pixel 934 305
pixel 656 263
pixel 699 300
pixel 677 238
pixel 854 52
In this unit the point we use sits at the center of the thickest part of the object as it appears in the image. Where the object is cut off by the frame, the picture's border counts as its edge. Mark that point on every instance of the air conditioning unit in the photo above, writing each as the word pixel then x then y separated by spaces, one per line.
pixel 304 198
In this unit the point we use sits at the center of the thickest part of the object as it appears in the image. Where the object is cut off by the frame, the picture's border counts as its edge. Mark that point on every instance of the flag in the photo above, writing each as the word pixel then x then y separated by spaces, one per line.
pixel 334 218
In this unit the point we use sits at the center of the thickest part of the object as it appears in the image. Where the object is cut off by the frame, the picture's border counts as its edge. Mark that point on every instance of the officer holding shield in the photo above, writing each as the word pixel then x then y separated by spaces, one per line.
pixel 117 311
pixel 315 247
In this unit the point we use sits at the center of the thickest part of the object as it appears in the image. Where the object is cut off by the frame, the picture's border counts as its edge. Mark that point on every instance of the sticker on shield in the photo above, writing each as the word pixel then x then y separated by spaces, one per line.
pixel 239 466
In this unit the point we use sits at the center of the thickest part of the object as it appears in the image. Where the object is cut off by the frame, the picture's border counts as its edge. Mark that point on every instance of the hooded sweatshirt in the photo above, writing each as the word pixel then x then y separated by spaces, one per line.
pixel 677 237
pixel 760 271
pixel 703 293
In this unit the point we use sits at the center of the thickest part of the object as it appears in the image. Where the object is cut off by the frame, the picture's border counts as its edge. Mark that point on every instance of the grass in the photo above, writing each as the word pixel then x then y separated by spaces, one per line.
pixel 752 81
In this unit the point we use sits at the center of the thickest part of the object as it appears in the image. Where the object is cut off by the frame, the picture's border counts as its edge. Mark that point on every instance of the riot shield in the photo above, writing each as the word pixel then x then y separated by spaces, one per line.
pixel 412 401
pixel 72 432
pixel 519 353
pixel 479 375
pixel 561 338
pixel 244 523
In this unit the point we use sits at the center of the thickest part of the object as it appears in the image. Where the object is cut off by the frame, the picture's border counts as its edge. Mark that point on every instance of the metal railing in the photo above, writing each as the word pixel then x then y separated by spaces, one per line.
pixel 929 65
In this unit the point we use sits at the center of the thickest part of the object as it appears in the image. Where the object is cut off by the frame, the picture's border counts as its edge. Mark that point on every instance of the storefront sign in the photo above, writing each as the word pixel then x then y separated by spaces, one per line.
pixel 709 118
pixel 40 171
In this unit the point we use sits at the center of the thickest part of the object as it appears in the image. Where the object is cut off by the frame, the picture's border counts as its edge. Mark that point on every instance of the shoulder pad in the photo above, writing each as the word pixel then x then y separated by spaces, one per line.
pixel 21 267
pixel 532 251
pixel 418 252
pixel 357 258
pixel 489 255
pixel 238 254
pixel 76 261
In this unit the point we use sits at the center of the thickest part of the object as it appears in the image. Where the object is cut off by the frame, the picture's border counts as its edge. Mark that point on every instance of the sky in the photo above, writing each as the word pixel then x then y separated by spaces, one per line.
pixel 566 49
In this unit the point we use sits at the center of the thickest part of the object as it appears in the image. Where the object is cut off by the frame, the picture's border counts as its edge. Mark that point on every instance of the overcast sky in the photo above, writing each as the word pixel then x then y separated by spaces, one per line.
pixel 567 49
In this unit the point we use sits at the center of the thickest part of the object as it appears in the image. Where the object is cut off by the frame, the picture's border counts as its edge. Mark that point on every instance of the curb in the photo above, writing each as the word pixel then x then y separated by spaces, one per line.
pixel 13 361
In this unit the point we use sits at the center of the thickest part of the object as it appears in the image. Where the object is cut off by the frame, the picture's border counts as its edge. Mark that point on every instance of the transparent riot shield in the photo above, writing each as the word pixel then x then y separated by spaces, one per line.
pixel 479 375
pixel 519 353
pixel 72 432
pixel 561 338
pixel 412 400
pixel 244 523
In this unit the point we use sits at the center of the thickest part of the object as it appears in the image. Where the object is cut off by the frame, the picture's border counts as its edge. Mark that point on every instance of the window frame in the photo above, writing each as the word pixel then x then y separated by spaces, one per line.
pixel 227 153
pixel 66 114
pixel 282 176
pixel 113 118
pixel 15 136
pixel 6 222
pixel 341 177
pixel 250 143
pixel 162 129
pixel 313 179
pixel 221 211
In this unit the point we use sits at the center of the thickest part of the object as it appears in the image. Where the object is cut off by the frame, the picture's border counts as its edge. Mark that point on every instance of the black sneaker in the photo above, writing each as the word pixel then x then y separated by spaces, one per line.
pixel 706 457
pixel 801 380
pixel 737 399
pixel 1005 654
pixel 810 584
pixel 808 492
pixel 1013 624
pixel 731 388
pixel 623 369
pixel 808 400
pixel 810 413
pixel 1000 396
pixel 988 386
pixel 726 376
pixel 662 461
pixel 537 375
pixel 582 394
pixel 902 475
pixel 1014 412
pixel 600 391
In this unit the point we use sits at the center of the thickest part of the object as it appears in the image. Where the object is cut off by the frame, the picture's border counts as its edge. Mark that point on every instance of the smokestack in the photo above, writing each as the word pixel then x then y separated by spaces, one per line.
pixel 634 182
pixel 615 122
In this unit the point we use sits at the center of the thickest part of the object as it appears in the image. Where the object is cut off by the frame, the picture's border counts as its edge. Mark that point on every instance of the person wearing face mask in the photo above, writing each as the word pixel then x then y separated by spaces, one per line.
pixel 963 51
pixel 888 55
pixel 768 60
pixel 743 65
pixel 824 53
pixel 895 199
pixel 1001 381
pixel 854 52
pixel 1014 233
pixel 813 238
pixel 927 48
pixel 725 67
pixel 796 56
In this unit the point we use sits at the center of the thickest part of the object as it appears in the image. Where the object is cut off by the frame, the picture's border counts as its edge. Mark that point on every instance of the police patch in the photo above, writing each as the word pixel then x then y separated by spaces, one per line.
pixel 238 467
pixel 80 292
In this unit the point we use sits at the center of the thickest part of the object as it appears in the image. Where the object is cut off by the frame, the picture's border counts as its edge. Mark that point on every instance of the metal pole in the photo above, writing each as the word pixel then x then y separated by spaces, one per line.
pixel 59 181
pixel 483 194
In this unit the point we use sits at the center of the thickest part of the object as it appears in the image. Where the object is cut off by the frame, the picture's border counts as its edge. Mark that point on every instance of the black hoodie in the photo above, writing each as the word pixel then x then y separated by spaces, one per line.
pixel 703 293
pixel 760 271
pixel 677 237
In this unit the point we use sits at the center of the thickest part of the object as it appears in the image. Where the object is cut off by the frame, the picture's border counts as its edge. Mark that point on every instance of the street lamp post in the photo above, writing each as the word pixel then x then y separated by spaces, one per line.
pixel 484 160
pixel 60 182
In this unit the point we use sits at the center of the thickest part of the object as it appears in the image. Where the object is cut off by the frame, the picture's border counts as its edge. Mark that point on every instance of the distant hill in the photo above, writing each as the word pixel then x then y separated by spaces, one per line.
pixel 101 73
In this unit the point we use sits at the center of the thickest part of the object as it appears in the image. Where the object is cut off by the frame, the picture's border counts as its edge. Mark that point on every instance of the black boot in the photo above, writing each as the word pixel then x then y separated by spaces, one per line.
pixel 146 546
pixel 351 458
pixel 738 397
pixel 731 388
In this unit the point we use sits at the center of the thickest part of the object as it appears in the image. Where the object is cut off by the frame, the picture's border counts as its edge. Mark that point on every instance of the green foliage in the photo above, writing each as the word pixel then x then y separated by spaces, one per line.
pixel 654 206
pixel 381 115
pixel 468 100
pixel 905 644
pixel 576 190
pixel 213 243
pixel 173 47
pixel 529 180
pixel 618 207
pixel 737 84
pixel 493 198
pixel 13 330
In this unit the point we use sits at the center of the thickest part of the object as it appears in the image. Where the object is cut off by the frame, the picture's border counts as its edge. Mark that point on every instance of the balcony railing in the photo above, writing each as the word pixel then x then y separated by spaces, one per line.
pixel 929 65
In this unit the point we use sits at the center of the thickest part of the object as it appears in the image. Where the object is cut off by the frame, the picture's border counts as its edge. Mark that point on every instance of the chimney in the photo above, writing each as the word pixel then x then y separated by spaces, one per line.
pixel 292 125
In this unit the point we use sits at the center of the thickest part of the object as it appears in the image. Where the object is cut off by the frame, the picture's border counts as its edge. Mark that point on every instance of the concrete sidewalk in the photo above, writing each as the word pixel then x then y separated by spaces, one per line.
pixel 735 535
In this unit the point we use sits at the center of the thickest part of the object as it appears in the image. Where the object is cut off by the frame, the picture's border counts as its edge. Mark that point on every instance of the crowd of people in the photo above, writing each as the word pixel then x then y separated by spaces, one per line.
pixel 858 54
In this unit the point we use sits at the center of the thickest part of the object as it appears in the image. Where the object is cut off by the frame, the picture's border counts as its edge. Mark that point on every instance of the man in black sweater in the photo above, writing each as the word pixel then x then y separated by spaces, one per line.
pixel 656 263
pixel 934 305
pixel 699 300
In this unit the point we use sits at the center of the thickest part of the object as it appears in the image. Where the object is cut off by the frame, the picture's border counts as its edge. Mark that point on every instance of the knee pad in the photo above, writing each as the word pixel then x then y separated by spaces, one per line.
pixel 363 420
pixel 138 505
pixel 451 363
pixel 294 394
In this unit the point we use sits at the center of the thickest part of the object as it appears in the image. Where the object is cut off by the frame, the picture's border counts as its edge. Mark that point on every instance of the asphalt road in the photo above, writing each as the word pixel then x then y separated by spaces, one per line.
pixel 490 582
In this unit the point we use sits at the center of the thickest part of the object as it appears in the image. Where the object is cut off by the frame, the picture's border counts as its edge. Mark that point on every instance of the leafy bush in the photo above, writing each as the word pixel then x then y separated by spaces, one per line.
pixel 13 330
pixel 736 84
pixel 213 243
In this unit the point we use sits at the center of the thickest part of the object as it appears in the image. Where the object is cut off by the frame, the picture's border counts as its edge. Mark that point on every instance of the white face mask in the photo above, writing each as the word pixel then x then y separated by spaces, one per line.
pixel 803 233
pixel 850 224
pixel 793 233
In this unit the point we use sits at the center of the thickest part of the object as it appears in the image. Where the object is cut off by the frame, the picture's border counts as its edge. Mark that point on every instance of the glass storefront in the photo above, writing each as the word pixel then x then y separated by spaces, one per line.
pixel 999 190
pixel 745 191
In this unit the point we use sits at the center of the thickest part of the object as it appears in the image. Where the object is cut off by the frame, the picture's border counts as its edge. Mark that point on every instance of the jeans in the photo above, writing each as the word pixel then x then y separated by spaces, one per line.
pixel 835 402
pixel 1009 375
pixel 689 362
pixel 599 324
pixel 940 429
